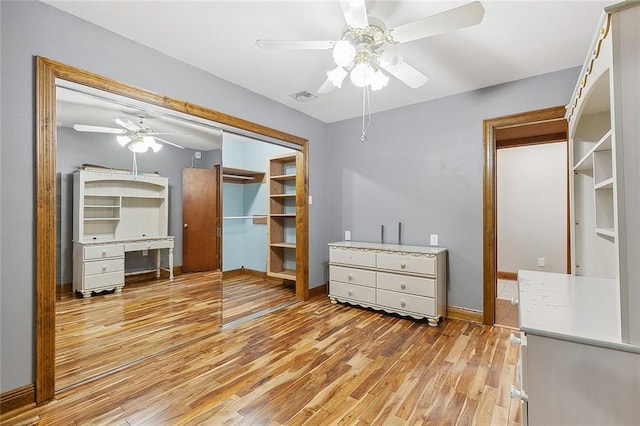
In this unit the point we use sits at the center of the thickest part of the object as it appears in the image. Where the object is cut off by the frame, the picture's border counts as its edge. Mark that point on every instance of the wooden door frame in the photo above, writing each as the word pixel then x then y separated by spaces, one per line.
pixel 47 71
pixel 490 255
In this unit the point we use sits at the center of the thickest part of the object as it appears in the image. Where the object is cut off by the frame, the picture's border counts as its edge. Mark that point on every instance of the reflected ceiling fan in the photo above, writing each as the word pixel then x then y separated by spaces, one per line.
pixel 360 52
pixel 137 137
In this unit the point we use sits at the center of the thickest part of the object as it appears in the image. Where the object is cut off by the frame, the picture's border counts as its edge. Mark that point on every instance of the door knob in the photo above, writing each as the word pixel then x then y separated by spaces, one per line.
pixel 186 225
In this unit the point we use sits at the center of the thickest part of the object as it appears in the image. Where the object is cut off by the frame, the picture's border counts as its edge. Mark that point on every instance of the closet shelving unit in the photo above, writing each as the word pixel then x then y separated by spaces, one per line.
pixel 281 216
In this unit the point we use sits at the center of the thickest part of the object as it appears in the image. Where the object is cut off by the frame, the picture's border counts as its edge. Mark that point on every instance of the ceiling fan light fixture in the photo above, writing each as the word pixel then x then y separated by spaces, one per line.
pixel 379 80
pixel 337 76
pixel 362 74
pixel 138 147
pixel 123 139
pixel 344 53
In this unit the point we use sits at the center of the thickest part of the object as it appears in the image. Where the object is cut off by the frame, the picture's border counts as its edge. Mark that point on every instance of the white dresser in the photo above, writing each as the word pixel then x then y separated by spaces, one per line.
pixel 407 280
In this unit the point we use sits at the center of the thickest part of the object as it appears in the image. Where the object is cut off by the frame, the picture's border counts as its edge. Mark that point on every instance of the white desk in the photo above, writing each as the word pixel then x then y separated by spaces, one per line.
pixel 101 263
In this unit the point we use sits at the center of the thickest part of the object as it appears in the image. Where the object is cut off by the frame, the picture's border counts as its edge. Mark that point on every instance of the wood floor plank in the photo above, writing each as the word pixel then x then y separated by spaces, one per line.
pixel 312 363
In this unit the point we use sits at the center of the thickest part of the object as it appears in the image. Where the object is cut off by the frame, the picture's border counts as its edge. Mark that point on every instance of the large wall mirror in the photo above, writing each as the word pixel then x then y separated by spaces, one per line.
pixel 75 110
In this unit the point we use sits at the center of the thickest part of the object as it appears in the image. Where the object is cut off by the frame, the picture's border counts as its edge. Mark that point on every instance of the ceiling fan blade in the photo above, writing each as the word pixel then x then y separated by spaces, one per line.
pixel 97 129
pixel 460 17
pixel 295 45
pixel 405 73
pixel 170 143
pixel 355 13
pixel 327 87
pixel 127 124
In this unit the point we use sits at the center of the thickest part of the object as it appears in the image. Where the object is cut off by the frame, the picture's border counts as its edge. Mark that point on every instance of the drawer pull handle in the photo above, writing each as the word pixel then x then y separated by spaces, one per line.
pixel 104 252
pixel 518 393
pixel 104 269
pixel 350 293
pixel 148 247
pixel 514 301
pixel 403 285
pixel 403 265
pixel 514 341
pixel 403 303
pixel 350 277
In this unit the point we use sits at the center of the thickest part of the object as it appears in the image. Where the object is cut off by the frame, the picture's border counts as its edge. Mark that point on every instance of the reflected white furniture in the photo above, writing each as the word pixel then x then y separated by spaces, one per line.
pixel 401 279
pixel 574 367
pixel 116 212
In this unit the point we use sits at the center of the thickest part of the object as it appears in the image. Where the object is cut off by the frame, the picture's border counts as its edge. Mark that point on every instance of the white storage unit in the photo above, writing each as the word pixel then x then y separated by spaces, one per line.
pixel 407 280
pixel 574 368
pixel 116 212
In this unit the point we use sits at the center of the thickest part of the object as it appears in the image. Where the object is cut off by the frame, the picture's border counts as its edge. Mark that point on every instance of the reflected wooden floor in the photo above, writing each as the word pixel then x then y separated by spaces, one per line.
pixel 311 363
pixel 245 295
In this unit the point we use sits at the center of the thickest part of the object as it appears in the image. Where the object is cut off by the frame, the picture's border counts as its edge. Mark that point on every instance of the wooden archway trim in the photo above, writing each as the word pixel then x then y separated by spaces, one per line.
pixel 47 71
pixel 490 254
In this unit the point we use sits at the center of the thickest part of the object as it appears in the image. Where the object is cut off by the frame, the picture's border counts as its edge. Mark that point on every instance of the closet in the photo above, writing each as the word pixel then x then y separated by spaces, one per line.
pixel 580 333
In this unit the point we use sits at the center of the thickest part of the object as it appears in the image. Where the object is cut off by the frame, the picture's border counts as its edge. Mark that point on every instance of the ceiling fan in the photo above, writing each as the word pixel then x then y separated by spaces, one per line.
pixel 137 137
pixel 360 54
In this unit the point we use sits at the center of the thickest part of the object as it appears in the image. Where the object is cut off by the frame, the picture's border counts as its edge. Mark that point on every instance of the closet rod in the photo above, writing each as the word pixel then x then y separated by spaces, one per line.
pixel 258 216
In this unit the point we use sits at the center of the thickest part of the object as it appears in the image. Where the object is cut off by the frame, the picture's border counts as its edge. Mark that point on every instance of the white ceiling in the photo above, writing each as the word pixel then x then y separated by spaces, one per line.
pixel 516 39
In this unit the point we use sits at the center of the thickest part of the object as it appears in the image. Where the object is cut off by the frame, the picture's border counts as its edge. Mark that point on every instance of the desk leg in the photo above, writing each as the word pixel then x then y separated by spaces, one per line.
pixel 158 263
pixel 171 264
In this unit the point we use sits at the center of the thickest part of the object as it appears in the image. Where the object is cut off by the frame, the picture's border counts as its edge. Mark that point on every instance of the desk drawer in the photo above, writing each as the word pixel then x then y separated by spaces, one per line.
pixel 352 257
pixel 406 284
pixel 407 263
pixel 104 280
pixel 97 267
pixel 352 276
pixel 407 302
pixel 103 251
pixel 353 292
pixel 147 245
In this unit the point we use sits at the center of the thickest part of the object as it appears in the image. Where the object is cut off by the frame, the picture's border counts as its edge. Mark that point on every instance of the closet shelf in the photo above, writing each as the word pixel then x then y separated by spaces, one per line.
pixel 284 245
pixel 605 184
pixel 285 215
pixel 283 195
pixel 242 176
pixel 283 177
pixel 586 163
pixel 606 232
pixel 287 274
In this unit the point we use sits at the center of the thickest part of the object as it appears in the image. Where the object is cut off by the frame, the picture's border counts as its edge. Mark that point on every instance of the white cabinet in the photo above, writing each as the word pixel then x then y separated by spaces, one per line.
pixel 116 212
pixel 573 367
pixel 604 149
pixel 407 280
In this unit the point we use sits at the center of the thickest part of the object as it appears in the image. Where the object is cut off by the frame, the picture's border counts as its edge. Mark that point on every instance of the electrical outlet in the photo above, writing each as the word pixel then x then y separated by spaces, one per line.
pixel 310 200
pixel 347 235
pixel 197 155
pixel 541 261
pixel 434 240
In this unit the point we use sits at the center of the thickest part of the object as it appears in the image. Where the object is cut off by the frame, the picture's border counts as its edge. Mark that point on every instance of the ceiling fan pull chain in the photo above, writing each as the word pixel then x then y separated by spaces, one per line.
pixel 135 164
pixel 366 113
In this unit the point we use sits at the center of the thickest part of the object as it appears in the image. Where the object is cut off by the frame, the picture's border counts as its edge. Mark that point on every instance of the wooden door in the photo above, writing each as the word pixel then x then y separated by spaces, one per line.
pixel 200 218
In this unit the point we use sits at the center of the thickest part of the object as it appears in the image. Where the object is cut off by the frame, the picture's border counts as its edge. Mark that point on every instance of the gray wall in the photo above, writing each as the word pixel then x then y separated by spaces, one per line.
pixel 31 28
pixel 423 167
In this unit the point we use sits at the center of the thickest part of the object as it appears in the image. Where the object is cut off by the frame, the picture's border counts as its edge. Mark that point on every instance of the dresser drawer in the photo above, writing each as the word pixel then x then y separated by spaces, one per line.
pixel 104 280
pixel 406 302
pixel 148 245
pixel 105 266
pixel 352 276
pixel 352 291
pixel 103 251
pixel 352 257
pixel 407 263
pixel 406 284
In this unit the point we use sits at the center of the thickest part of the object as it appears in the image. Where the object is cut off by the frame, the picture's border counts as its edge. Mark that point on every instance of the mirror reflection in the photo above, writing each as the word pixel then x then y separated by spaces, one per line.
pixel 152 212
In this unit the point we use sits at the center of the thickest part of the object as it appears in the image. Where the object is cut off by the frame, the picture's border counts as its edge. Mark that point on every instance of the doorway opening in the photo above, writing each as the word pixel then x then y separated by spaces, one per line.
pixel 519 130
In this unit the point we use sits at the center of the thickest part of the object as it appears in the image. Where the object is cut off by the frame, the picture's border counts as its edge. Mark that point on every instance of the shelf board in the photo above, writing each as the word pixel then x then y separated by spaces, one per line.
pixel 285 215
pixel 604 144
pixel 99 206
pixel 287 274
pixel 606 232
pixel 242 176
pixel 605 184
pixel 101 219
pixel 283 177
pixel 292 195
pixel 284 245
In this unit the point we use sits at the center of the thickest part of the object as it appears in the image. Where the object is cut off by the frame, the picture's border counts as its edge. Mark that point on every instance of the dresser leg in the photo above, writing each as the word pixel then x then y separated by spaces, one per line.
pixel 433 322
pixel 333 300
pixel 118 290
pixel 86 294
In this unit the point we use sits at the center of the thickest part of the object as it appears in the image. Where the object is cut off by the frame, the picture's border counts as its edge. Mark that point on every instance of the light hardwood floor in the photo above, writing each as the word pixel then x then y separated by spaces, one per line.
pixel 310 363
pixel 108 331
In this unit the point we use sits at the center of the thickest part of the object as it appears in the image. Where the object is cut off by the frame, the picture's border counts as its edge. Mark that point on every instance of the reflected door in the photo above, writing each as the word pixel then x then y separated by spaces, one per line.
pixel 200 189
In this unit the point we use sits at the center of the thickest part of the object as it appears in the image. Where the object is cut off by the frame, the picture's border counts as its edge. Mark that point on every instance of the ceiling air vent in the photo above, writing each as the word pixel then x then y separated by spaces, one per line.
pixel 303 96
